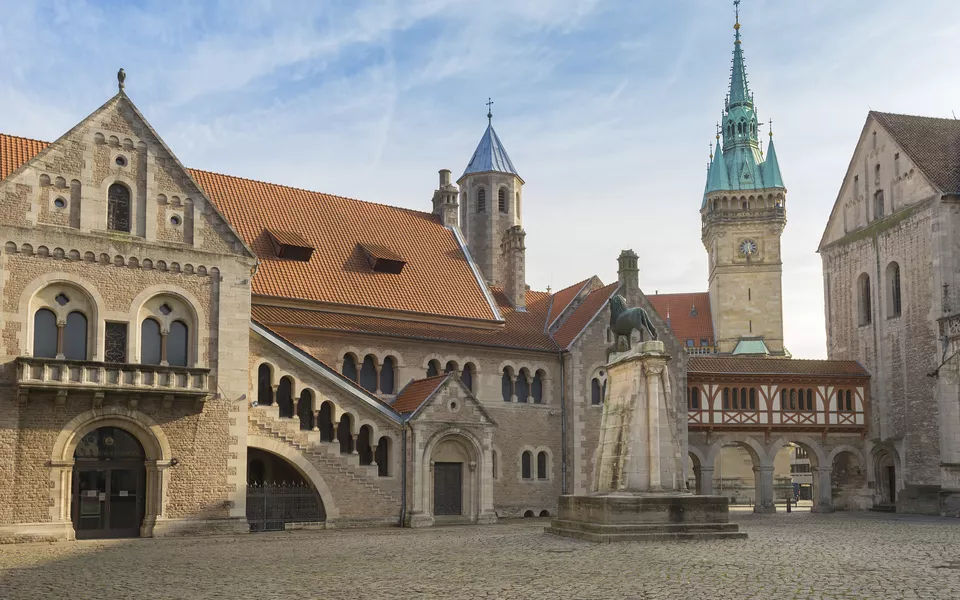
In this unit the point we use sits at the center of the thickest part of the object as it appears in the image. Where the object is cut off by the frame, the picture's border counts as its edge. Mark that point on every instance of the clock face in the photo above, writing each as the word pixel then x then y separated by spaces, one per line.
pixel 748 247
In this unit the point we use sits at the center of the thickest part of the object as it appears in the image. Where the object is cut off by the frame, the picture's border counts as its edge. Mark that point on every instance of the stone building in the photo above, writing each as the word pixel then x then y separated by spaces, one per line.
pixel 892 295
pixel 183 348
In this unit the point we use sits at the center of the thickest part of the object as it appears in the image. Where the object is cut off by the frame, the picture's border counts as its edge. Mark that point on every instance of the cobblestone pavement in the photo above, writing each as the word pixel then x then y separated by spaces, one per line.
pixel 786 556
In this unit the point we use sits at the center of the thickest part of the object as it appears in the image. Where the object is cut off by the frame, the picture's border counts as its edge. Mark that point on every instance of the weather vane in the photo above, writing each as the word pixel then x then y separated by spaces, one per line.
pixel 489 110
pixel 121 77
pixel 736 7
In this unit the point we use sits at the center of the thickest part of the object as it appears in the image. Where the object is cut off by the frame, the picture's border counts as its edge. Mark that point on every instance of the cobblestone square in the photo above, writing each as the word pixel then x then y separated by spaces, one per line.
pixel 786 556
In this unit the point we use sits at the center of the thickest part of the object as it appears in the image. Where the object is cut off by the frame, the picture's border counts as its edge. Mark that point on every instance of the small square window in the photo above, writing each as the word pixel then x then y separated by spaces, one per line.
pixel 689 343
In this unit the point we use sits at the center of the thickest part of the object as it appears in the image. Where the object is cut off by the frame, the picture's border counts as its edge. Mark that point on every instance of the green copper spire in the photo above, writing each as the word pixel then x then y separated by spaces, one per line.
pixel 771 168
pixel 741 158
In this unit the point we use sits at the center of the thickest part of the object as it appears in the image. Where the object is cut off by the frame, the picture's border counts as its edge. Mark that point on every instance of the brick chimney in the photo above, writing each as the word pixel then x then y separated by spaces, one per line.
pixel 445 200
pixel 513 253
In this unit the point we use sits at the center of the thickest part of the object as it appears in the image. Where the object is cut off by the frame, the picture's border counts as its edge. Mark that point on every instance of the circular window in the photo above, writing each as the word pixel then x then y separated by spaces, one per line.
pixel 121 160
pixel 175 220
pixel 60 202
pixel 453 406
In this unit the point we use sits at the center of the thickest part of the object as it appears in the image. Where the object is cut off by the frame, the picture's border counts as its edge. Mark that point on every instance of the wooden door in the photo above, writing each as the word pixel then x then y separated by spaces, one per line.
pixel 447 488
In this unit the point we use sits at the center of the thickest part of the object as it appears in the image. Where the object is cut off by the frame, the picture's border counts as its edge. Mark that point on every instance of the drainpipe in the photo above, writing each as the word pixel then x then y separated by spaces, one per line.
pixel 563 426
pixel 403 473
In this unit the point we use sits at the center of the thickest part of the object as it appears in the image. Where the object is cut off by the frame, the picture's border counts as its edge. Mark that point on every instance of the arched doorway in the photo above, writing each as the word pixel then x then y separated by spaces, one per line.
pixel 279 494
pixel 109 484
pixel 885 475
pixel 694 474
pixel 848 482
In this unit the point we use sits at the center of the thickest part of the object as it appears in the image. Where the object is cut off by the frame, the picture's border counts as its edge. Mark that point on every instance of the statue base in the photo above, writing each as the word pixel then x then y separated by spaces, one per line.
pixel 630 517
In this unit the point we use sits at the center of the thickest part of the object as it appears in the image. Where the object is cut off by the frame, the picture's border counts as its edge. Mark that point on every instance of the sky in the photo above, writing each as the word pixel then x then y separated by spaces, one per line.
pixel 606 107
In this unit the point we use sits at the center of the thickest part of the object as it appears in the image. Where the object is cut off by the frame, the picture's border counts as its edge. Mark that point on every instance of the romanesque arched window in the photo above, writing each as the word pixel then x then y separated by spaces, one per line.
pixel 481 200
pixel 506 385
pixel 536 388
pixel 178 344
pixel 433 368
pixel 45 334
pixel 349 368
pixel 864 304
pixel 305 409
pixel 502 200
pixel 264 385
pixel 325 422
pixel 345 434
pixel 368 373
pixel 383 456
pixel 150 342
pixel 118 208
pixel 285 397
pixel 466 376
pixel 894 306
pixel 75 336
pixel 523 385
pixel 387 376
pixel 595 397
pixel 364 450
pixel 541 465
pixel 526 465
pixel 451 367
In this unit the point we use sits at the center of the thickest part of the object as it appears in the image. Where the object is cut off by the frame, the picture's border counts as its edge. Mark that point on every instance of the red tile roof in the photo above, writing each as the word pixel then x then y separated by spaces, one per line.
pixel 14 151
pixel 523 330
pixel 289 238
pixel 583 314
pixel 415 393
pixel 337 272
pixel 687 315
pixel 725 365
pixel 563 298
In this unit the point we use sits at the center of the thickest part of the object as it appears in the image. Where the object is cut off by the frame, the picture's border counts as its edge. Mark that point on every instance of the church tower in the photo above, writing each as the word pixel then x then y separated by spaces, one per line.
pixel 743 215
pixel 491 196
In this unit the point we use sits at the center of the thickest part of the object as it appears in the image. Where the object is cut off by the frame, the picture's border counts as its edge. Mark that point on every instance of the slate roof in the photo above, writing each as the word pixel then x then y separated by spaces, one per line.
pixel 726 365
pixel 415 393
pixel 490 155
pixel 676 310
pixel 933 144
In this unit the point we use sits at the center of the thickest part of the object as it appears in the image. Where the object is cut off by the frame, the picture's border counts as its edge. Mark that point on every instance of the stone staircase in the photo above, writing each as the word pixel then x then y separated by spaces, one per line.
pixel 325 456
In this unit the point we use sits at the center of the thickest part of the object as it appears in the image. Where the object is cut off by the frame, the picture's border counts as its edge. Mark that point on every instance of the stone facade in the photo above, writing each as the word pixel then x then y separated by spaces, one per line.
pixel 890 283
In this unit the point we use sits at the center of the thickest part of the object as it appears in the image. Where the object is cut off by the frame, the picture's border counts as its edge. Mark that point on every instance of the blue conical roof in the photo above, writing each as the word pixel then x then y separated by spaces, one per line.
pixel 490 155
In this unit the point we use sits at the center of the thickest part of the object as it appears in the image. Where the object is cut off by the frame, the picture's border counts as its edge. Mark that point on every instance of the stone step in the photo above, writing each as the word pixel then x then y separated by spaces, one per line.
pixel 645 528
pixel 606 538
pixel 885 508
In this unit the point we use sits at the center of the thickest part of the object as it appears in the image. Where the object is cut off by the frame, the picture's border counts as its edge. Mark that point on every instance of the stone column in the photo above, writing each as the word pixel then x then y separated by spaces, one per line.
pixel 763 489
pixel 652 371
pixel 316 420
pixel 706 481
pixel 513 389
pixel 823 489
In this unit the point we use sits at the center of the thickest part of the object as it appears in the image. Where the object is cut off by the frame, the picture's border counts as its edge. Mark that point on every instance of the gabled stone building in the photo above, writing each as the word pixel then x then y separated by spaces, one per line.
pixel 182 347
pixel 892 294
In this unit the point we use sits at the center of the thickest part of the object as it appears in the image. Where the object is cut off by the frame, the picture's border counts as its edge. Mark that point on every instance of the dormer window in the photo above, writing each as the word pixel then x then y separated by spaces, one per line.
pixel 382 259
pixel 693 311
pixel 289 245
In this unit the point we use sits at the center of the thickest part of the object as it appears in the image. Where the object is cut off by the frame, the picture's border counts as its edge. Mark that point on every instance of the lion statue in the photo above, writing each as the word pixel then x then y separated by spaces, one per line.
pixel 624 320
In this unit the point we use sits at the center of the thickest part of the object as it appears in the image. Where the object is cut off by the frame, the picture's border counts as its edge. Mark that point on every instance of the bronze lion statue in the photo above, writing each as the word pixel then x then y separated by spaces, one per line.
pixel 624 320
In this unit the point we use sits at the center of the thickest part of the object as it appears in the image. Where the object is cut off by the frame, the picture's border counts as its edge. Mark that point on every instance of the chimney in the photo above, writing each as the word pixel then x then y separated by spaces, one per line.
pixel 627 272
pixel 513 254
pixel 445 200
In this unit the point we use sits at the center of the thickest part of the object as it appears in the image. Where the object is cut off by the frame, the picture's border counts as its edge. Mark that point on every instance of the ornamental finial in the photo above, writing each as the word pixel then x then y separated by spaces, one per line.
pixel 736 25
pixel 771 128
pixel 121 77
pixel 489 111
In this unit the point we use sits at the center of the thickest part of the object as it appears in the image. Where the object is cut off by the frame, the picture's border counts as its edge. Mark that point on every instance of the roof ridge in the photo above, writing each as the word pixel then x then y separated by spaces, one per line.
pixel 896 114
pixel 29 139
pixel 309 191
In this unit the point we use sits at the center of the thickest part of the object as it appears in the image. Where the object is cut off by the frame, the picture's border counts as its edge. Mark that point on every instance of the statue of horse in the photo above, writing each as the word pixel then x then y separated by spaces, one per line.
pixel 624 320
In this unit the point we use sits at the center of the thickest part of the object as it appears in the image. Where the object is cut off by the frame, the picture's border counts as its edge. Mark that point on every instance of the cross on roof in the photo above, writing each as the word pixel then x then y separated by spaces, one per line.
pixel 489 110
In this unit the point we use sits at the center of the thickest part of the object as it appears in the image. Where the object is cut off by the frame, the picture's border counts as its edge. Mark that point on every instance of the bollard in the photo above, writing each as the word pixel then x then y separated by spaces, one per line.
pixel 789 502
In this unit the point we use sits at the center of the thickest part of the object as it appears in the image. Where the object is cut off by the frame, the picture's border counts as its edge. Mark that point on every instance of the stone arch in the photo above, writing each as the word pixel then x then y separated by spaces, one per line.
pixel 198 340
pixel 753 447
pixel 817 454
pixel 846 448
pixel 92 295
pixel 477 500
pixel 884 457
pixel 157 453
pixel 303 466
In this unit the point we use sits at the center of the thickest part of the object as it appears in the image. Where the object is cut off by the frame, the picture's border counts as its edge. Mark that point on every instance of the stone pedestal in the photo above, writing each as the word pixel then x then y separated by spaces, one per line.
pixel 639 492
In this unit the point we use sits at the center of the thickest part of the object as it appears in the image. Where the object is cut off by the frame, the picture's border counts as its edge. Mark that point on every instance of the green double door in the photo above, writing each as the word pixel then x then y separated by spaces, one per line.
pixel 108 499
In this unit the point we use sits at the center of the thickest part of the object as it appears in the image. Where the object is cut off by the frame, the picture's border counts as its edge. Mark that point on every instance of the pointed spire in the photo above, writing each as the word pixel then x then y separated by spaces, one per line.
pixel 739 86
pixel 771 167
pixel 718 179
pixel 490 155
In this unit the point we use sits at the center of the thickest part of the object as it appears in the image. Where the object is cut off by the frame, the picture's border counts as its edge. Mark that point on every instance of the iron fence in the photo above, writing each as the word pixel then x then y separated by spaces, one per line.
pixel 270 506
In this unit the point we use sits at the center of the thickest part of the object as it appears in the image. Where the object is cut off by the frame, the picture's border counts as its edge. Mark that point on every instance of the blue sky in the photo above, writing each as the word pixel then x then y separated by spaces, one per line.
pixel 606 107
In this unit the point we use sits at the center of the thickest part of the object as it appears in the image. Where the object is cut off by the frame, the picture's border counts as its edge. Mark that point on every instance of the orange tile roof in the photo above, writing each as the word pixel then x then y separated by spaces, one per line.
pixel 437 278
pixel 522 330
pixel 337 272
pixel 676 310
pixel 15 150
pixel 415 393
pixel 725 365
pixel 583 314
pixel 289 238
pixel 563 298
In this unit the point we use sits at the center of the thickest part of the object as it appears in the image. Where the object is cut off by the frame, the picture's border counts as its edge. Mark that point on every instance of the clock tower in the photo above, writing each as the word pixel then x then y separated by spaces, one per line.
pixel 743 214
